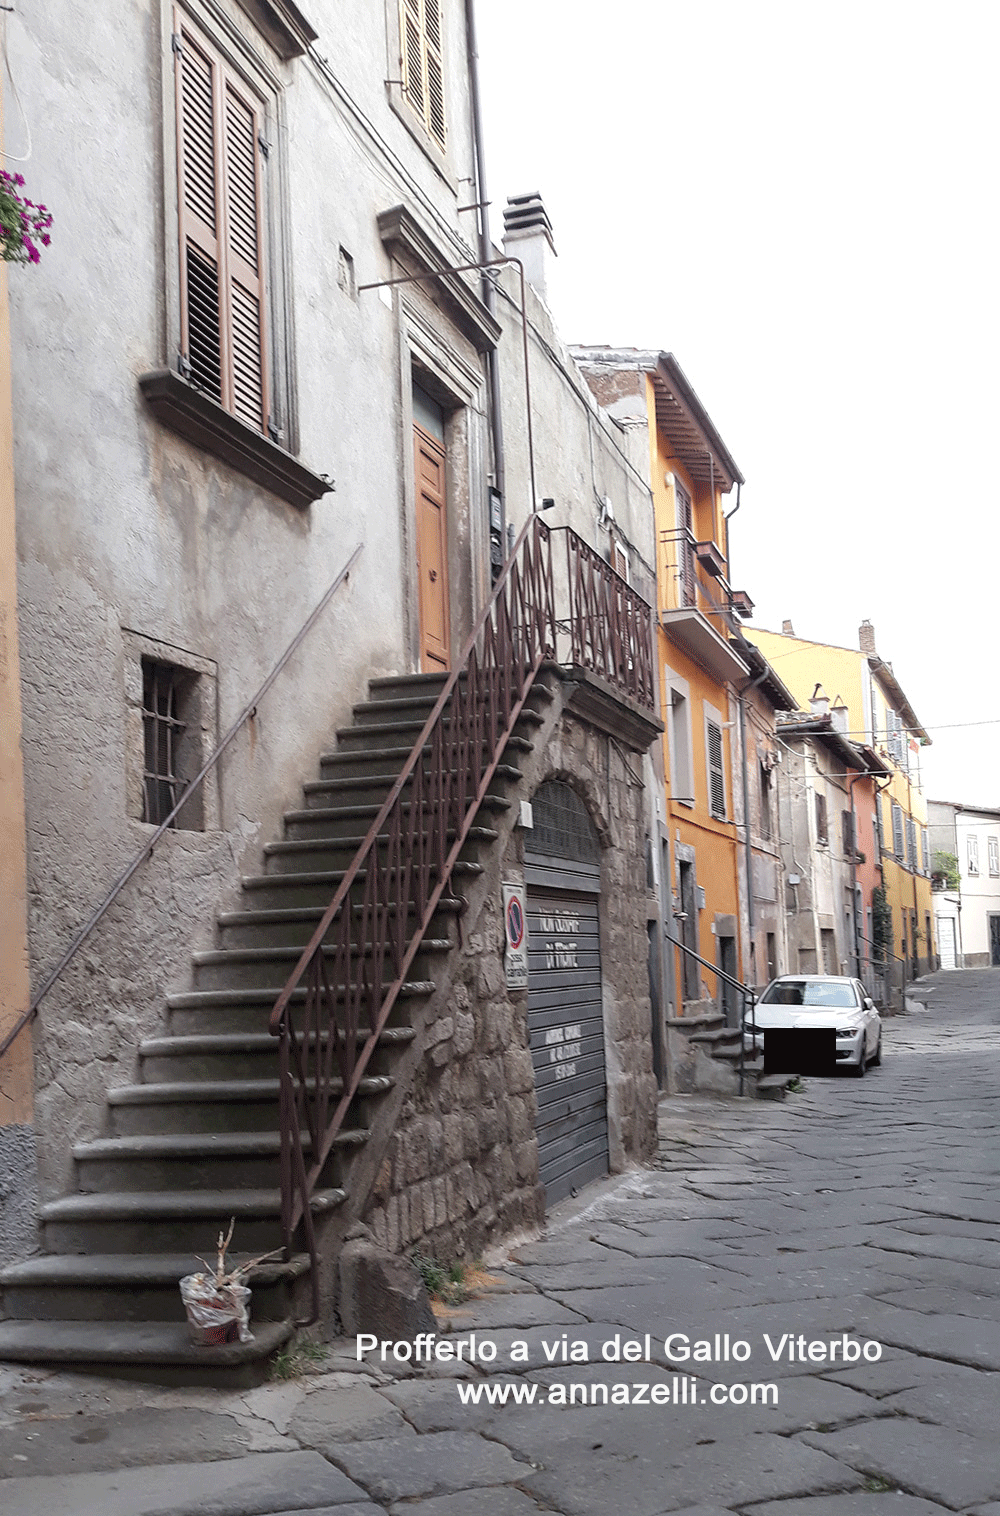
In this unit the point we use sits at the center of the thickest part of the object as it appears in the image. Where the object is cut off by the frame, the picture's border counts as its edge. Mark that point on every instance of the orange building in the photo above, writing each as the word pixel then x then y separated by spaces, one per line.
pixel 701 670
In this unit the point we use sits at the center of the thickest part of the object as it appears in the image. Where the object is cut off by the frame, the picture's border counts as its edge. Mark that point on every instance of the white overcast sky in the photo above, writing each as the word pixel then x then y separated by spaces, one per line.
pixel 800 201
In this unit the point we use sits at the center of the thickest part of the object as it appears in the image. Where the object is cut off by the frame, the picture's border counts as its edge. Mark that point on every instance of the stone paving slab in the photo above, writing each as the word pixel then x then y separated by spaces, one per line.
pixel 85 1443
pixel 865 1503
pixel 257 1486
pixel 898 1371
pixel 438 1463
pixel 939 1463
pixel 497 1502
pixel 736 1473
pixel 970 1402
pixel 329 1417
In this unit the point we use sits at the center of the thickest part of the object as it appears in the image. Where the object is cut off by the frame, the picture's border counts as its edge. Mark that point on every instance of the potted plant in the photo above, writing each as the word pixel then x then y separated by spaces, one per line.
pixel 23 225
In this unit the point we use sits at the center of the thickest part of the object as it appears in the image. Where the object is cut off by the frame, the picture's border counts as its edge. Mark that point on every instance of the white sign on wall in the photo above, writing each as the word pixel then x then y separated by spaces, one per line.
pixel 515 922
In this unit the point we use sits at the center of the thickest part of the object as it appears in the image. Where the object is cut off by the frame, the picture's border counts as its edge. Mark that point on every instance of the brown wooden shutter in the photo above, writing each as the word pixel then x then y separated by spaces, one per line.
pixel 197 138
pixel 221 231
pixel 716 774
pixel 423 63
pixel 411 29
pixel 435 71
pixel 243 263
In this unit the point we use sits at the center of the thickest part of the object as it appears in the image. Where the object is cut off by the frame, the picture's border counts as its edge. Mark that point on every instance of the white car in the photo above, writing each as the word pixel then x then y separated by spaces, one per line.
pixel 815 1001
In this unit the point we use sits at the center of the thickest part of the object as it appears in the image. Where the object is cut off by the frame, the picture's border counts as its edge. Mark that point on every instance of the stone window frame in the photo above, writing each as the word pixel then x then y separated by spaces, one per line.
pixel 204 729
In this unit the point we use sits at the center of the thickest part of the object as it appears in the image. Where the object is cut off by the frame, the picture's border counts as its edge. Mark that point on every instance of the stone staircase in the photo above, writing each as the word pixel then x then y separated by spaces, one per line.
pixel 195 1140
pixel 707 1057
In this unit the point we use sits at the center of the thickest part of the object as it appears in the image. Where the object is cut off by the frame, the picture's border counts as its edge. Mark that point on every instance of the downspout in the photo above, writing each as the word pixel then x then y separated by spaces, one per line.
pixel 489 293
pixel 726 520
pixel 854 866
pixel 747 843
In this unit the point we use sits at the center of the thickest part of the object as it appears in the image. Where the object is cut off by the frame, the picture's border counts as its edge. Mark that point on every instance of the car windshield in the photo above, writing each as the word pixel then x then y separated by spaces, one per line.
pixel 808 992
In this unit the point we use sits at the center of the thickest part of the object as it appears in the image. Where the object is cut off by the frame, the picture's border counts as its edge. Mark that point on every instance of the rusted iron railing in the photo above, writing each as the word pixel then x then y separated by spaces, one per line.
pixel 338 1000
pixel 608 623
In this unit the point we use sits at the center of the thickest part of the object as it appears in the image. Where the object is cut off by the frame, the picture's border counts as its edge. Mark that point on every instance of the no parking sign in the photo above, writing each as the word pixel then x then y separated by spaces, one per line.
pixel 516 937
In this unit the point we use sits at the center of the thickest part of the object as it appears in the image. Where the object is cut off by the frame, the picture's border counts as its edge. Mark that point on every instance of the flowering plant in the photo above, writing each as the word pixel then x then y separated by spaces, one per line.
pixel 22 223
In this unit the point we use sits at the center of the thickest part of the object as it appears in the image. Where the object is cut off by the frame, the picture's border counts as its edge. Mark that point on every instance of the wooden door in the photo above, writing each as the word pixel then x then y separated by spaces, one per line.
pixel 432 552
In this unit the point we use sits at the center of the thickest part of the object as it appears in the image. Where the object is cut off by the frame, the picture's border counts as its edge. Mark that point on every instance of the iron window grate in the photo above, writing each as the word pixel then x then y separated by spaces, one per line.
pixel 561 827
pixel 163 731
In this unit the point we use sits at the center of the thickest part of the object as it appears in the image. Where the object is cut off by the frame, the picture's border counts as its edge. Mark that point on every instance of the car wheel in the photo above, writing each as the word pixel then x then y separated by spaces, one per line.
pixel 859 1068
pixel 877 1060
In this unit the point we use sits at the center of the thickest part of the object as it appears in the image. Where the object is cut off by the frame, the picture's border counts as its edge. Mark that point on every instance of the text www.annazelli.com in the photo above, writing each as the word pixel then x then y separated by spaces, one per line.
pixel 684 1390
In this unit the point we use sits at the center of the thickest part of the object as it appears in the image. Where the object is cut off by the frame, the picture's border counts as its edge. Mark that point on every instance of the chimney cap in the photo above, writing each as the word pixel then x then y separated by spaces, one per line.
pixel 526 213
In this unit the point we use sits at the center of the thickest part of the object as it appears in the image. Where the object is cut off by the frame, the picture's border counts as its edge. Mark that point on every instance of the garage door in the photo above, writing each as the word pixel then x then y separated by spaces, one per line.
pixel 946 941
pixel 565 1014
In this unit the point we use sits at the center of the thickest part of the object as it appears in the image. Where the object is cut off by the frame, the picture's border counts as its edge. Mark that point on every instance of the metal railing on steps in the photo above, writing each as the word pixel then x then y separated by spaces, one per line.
pixel 190 789
pixel 336 1004
pixel 745 991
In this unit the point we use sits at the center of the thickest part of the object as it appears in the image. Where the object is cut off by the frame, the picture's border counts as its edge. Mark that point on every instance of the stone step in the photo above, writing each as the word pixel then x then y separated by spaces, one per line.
pixel 153 1351
pixel 337 853
pixel 349 821
pixel 353 760
pixel 773 1086
pixel 717 1037
pixel 232 1055
pixel 390 709
pixel 305 888
pixel 373 787
pixel 203 1105
pixel 119 1287
pixel 170 1221
pixel 295 926
pixel 249 1010
pixel 191 1160
pixel 270 967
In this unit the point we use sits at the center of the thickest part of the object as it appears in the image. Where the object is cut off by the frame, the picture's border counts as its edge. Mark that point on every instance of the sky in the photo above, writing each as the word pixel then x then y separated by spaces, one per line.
pixel 801 202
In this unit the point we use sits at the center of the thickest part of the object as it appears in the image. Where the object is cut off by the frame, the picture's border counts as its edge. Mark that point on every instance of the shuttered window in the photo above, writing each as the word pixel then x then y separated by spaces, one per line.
pixel 897 832
pixel 822 830
pixel 716 773
pixel 423 65
pixel 911 844
pixel 219 128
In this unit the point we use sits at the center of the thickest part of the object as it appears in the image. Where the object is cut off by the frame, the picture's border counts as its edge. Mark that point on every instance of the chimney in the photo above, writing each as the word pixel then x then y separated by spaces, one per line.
pixel 787 630
pixel 866 639
pixel 527 234
pixel 819 702
pixel 840 716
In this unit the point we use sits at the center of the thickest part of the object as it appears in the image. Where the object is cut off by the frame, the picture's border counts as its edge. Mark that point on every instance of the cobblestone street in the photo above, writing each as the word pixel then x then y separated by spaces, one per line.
pixel 858 1211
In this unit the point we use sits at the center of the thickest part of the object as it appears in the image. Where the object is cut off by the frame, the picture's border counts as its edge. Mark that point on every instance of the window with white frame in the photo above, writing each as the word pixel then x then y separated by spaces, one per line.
pixel 972 853
pixel 993 849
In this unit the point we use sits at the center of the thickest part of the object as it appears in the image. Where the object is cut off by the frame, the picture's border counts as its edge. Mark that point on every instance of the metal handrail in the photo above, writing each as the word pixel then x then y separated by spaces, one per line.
pixel 337 1001
pixel 249 710
pixel 737 984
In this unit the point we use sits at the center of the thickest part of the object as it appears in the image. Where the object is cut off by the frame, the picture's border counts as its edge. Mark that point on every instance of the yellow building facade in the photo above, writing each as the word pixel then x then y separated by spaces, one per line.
pixel 881 716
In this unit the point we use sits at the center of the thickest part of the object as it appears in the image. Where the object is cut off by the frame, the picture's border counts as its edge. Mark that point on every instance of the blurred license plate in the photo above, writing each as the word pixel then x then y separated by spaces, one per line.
pixel 812 1051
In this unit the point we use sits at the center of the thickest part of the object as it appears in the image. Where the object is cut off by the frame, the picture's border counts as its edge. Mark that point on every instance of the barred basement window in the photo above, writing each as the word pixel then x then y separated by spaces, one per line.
pixel 170 743
pixel 423 64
